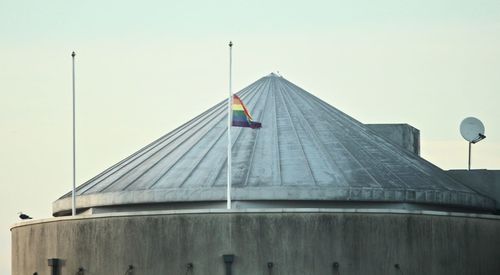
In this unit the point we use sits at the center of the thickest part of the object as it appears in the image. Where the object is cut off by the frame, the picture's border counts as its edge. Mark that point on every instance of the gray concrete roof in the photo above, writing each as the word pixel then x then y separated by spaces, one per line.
pixel 305 150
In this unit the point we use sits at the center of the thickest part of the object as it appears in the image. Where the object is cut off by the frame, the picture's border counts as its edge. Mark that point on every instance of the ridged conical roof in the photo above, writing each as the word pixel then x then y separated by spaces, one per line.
pixel 306 150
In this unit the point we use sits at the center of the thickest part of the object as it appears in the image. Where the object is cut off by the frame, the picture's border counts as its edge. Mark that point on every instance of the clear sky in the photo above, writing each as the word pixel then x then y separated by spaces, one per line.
pixel 145 67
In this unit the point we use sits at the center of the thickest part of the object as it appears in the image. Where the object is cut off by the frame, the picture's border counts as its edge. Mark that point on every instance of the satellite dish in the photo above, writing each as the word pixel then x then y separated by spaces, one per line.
pixel 472 129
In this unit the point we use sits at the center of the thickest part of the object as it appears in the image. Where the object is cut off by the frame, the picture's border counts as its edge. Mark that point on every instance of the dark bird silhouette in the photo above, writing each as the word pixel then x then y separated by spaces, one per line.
pixel 24 216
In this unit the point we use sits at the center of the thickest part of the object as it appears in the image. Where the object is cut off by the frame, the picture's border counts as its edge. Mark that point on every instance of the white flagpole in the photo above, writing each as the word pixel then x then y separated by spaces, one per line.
pixel 229 122
pixel 73 195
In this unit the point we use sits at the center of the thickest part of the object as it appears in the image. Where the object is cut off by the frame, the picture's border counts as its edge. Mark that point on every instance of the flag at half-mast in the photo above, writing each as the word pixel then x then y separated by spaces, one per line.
pixel 241 116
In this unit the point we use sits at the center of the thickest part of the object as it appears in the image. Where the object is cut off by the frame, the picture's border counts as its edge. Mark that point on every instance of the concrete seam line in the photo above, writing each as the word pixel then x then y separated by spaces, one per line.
pixel 260 211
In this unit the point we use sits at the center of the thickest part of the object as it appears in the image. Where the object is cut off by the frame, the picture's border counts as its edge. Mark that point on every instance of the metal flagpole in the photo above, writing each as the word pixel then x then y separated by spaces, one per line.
pixel 229 122
pixel 73 195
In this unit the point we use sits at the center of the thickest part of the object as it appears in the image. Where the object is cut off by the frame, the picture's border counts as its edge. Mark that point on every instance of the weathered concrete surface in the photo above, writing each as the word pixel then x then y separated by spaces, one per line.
pixel 297 243
pixel 401 134
pixel 485 182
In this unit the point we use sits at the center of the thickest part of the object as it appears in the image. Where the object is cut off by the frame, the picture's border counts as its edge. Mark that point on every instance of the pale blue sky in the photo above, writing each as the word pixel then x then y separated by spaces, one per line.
pixel 145 67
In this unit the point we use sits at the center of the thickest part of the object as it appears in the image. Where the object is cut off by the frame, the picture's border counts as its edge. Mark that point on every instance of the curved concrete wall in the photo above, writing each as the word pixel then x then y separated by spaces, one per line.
pixel 295 242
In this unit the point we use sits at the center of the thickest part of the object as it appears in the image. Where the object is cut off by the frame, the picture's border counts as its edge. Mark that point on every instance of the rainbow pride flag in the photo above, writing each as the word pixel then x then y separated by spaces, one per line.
pixel 241 116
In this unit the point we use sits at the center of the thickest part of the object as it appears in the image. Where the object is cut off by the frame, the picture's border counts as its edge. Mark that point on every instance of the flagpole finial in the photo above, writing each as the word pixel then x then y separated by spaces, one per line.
pixel 73 54
pixel 230 44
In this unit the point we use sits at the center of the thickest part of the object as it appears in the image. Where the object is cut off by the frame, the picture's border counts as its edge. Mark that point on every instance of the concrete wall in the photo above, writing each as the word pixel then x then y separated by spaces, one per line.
pixel 298 243
pixel 485 182
pixel 403 135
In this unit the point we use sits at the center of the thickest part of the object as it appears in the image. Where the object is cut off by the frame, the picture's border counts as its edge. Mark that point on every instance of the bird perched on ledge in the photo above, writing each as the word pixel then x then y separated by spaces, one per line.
pixel 24 216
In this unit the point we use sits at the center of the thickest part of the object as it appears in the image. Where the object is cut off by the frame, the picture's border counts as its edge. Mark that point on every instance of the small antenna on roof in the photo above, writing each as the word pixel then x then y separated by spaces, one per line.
pixel 472 130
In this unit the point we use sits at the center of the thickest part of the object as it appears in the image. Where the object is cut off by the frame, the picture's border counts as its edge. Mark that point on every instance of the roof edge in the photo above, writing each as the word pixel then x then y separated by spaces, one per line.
pixel 278 193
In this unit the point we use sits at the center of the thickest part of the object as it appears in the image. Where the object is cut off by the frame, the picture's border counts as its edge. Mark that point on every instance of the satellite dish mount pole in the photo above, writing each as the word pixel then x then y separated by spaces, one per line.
pixel 470 143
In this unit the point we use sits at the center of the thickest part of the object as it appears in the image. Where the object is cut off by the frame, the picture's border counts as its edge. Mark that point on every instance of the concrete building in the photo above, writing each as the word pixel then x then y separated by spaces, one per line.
pixel 314 190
